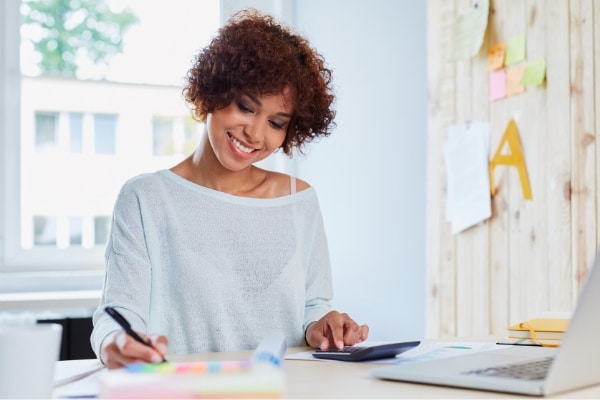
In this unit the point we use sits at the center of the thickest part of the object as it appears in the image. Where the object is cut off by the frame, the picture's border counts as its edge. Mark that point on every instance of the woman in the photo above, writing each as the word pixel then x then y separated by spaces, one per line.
pixel 216 253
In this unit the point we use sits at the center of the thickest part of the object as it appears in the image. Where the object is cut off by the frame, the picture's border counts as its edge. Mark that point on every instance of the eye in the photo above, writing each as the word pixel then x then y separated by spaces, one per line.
pixel 277 125
pixel 243 107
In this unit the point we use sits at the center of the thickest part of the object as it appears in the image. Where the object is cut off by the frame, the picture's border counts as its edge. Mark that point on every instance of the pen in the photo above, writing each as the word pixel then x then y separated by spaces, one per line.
pixel 127 326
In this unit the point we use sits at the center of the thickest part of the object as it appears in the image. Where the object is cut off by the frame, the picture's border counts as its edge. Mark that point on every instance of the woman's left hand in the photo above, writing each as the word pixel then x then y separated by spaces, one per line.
pixel 335 330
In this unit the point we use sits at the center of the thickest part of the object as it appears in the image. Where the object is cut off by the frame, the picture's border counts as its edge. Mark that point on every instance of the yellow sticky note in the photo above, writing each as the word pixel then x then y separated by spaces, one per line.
pixel 515 158
pixel 515 50
pixel 513 79
pixel 535 73
pixel 495 59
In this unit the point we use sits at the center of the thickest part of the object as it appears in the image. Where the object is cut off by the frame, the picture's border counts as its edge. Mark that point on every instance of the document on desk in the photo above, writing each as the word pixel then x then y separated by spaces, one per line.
pixel 424 351
pixel 77 378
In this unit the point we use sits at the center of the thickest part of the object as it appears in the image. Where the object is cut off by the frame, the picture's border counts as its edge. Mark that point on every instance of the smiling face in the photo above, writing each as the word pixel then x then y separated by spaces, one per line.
pixel 249 129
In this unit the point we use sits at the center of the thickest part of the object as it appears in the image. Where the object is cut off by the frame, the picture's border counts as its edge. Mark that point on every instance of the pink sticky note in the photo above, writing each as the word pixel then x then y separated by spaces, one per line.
pixel 497 84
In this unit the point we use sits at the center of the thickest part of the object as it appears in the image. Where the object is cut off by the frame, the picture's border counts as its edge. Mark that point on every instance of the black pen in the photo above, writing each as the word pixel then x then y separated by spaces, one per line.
pixel 127 326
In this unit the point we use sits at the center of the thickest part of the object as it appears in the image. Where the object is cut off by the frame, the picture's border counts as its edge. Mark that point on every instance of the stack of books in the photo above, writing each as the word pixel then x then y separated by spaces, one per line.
pixel 537 332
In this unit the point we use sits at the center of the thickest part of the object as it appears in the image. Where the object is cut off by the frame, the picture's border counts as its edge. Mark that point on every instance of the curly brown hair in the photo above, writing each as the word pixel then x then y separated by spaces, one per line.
pixel 254 54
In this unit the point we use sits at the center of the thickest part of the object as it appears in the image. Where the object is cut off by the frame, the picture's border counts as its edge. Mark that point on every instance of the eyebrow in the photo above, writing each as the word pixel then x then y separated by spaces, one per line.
pixel 257 102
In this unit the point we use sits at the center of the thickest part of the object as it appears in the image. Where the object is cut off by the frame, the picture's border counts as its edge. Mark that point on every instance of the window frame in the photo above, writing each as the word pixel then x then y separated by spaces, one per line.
pixel 21 270
pixel 76 269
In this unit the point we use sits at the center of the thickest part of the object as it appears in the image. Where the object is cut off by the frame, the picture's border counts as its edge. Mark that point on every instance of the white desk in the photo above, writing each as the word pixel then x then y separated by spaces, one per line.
pixel 319 379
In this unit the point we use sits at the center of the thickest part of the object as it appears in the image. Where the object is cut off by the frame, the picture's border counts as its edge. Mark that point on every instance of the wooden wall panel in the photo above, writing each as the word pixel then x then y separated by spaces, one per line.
pixel 558 159
pixel 532 255
pixel 441 300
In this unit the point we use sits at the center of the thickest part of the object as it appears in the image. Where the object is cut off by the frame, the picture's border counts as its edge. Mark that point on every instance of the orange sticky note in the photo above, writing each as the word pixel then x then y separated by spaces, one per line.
pixel 495 58
pixel 513 79
pixel 514 158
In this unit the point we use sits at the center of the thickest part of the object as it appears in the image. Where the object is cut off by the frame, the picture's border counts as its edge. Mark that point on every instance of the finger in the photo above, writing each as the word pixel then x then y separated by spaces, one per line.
pixel 351 333
pixel 159 342
pixel 318 334
pixel 113 358
pixel 354 333
pixel 118 361
pixel 364 332
pixel 335 324
pixel 324 344
pixel 135 351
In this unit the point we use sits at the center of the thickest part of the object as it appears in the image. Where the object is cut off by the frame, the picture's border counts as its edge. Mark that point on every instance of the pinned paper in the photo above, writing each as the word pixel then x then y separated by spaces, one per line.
pixel 513 79
pixel 515 50
pixel 466 154
pixel 515 159
pixel 495 59
pixel 535 73
pixel 468 31
pixel 497 87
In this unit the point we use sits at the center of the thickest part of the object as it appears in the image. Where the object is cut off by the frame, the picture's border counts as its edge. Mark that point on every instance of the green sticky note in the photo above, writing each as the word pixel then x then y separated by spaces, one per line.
pixel 515 50
pixel 535 73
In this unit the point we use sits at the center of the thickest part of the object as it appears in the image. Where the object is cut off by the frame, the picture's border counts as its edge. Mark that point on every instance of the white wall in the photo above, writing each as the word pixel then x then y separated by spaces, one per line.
pixel 370 173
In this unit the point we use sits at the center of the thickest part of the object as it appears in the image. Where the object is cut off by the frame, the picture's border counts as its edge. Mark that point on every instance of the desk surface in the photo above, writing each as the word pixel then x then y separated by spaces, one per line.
pixel 323 379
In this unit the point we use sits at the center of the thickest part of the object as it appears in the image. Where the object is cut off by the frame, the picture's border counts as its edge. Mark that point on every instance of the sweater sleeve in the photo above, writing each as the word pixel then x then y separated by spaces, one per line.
pixel 128 272
pixel 319 290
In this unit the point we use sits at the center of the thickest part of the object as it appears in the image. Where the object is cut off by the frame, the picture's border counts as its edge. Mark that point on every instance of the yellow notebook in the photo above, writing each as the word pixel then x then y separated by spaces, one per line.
pixel 544 328
pixel 529 342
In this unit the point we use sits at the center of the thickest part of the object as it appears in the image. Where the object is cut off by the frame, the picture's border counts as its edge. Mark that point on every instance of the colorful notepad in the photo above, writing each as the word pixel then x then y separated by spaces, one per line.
pixel 188 380
pixel 260 377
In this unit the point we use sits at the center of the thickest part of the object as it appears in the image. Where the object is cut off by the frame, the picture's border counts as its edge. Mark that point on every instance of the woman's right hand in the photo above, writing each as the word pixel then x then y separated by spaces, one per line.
pixel 119 349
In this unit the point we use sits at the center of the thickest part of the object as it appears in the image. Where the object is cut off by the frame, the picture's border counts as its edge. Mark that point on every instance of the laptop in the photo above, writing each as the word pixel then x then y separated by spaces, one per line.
pixel 573 365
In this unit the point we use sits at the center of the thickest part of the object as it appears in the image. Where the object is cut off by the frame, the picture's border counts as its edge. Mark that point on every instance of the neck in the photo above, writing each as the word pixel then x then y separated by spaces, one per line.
pixel 203 168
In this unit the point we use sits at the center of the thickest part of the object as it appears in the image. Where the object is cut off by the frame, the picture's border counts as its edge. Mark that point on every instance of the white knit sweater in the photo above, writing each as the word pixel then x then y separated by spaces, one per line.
pixel 212 271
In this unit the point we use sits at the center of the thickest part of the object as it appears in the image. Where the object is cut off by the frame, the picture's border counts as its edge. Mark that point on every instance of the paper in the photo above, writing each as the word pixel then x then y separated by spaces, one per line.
pixel 307 355
pixel 438 350
pixel 424 351
pixel 468 31
pixel 513 78
pixel 497 88
pixel 515 50
pixel 534 73
pixel 466 156
pixel 77 378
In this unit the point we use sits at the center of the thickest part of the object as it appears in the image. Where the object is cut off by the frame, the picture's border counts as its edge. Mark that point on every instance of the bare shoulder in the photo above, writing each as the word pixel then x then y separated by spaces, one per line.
pixel 301 185
pixel 281 184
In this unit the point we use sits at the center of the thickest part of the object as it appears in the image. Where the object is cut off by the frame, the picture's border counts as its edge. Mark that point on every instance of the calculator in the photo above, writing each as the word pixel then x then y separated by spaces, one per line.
pixel 366 353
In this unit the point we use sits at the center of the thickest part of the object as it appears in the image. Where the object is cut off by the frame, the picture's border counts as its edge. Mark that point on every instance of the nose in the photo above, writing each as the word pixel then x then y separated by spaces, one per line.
pixel 254 131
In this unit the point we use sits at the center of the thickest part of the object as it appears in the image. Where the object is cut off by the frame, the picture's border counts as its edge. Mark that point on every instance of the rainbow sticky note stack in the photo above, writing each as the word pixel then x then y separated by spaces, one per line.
pixel 260 377
pixel 189 380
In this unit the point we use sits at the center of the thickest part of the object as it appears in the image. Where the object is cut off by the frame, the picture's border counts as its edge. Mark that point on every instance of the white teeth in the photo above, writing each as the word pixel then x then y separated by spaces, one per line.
pixel 241 146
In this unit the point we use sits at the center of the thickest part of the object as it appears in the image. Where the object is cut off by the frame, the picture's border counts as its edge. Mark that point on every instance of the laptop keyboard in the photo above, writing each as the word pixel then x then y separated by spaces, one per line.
pixel 531 370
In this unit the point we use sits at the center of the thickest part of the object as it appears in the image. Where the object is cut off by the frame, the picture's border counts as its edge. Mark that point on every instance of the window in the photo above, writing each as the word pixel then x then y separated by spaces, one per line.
pixel 67 144
pixel 162 134
pixel 75 132
pixel 174 135
pixel 105 127
pixel 45 131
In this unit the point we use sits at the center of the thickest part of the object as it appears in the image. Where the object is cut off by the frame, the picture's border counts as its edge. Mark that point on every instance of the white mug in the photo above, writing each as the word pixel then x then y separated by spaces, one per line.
pixel 28 354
